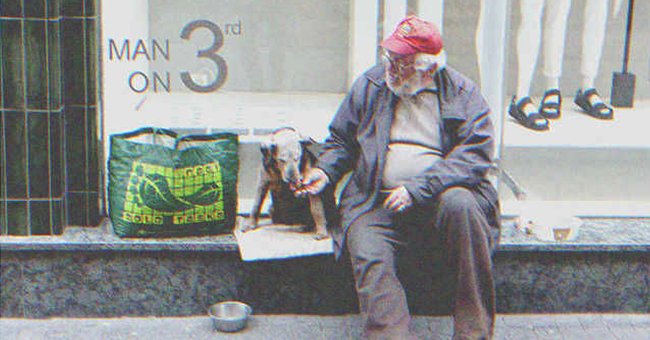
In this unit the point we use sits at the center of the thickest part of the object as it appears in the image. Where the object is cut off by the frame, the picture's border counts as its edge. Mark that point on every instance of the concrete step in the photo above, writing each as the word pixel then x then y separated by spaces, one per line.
pixel 508 326
pixel 90 272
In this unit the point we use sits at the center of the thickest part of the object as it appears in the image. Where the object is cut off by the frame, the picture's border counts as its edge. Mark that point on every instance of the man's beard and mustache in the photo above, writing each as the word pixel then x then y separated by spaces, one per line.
pixel 410 84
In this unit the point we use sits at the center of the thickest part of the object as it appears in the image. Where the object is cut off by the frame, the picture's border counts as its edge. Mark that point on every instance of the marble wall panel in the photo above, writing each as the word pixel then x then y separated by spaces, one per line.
pixel 197 280
pixel 180 283
pixel 565 282
pixel 11 304
pixel 303 285
pixel 119 284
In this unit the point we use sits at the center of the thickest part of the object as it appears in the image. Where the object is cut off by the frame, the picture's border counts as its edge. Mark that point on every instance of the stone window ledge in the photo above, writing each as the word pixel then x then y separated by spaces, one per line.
pixel 596 235
pixel 102 238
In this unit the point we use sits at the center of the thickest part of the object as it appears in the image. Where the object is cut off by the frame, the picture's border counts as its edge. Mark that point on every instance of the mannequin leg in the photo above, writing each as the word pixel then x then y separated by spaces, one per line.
pixel 554 36
pixel 593 38
pixel 528 41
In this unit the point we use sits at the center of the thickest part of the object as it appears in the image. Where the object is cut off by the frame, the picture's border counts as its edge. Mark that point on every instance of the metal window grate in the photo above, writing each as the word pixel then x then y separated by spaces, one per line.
pixel 44 58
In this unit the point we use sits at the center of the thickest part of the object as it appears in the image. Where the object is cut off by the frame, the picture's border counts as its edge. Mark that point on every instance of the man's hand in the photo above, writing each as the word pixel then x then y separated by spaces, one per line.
pixel 398 200
pixel 313 183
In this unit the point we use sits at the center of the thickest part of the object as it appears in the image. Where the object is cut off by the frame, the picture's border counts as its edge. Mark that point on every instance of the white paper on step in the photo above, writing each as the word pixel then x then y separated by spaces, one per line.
pixel 279 241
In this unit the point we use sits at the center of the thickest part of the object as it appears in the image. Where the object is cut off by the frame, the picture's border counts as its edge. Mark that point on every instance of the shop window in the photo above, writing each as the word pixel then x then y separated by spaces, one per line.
pixel 252 66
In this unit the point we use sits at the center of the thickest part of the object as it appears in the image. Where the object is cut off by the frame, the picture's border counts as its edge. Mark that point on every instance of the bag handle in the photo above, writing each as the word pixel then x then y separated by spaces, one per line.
pixel 214 137
pixel 149 130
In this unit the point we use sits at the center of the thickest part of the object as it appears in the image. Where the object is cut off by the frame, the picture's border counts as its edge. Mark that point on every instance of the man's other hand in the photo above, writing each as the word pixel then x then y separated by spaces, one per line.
pixel 398 200
pixel 313 183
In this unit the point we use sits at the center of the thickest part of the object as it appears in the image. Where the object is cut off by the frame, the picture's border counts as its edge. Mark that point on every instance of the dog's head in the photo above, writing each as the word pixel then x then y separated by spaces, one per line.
pixel 283 151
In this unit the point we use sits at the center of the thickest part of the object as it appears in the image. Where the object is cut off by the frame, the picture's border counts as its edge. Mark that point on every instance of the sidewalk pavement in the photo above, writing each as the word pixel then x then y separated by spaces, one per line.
pixel 287 327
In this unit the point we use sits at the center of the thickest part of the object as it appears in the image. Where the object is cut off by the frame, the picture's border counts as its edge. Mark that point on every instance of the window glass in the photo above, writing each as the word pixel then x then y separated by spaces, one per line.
pixel 253 66
pixel 266 46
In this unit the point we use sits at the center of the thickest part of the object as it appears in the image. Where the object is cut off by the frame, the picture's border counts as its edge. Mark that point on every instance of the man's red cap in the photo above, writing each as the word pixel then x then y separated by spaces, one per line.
pixel 414 35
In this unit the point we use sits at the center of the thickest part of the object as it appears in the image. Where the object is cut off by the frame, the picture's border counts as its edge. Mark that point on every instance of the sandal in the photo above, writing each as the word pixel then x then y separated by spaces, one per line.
pixel 600 110
pixel 516 110
pixel 551 109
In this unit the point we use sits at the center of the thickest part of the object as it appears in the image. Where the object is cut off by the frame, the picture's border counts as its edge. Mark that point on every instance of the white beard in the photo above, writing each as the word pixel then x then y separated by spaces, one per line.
pixel 409 87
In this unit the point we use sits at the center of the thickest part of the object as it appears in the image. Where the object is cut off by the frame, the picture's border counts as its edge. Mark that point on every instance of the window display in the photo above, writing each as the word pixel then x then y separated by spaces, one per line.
pixel 554 28
pixel 252 67
pixel 579 162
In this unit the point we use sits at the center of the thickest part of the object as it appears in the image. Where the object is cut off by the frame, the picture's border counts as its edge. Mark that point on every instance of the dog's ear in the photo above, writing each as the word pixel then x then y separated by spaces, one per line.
pixel 306 141
pixel 268 148
pixel 310 145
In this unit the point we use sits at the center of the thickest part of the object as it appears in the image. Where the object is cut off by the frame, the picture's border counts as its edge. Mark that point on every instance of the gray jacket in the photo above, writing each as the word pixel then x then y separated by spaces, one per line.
pixel 359 136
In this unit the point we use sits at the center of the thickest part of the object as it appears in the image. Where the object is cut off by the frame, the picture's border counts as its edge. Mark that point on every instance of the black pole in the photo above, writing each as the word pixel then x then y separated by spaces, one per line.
pixel 628 34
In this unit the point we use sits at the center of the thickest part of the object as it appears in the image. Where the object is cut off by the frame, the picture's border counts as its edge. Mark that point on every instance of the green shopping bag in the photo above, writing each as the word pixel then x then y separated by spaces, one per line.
pixel 162 185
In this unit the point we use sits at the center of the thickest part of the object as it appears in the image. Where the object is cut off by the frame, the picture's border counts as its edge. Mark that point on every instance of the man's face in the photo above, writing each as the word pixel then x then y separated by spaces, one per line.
pixel 402 76
pixel 399 69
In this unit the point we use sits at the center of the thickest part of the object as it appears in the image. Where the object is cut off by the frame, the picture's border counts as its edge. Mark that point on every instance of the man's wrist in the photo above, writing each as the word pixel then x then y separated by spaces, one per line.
pixel 411 188
pixel 324 175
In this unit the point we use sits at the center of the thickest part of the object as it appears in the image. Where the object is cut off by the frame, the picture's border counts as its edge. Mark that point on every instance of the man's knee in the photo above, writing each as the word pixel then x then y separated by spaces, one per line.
pixel 457 200
pixel 460 216
pixel 371 252
pixel 364 244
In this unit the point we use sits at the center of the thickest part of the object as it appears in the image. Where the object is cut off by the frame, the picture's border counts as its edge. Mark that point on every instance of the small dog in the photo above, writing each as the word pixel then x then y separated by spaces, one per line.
pixel 285 159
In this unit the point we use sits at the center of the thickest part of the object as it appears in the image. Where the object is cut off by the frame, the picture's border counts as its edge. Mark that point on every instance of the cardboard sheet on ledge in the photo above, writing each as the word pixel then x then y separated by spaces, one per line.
pixel 279 241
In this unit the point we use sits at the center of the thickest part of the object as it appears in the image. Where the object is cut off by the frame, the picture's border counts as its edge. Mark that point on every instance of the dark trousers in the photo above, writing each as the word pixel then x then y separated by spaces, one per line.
pixel 463 226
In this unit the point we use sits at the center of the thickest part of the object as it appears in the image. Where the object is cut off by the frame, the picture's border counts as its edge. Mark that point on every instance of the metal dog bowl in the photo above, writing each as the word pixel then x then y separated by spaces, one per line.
pixel 229 316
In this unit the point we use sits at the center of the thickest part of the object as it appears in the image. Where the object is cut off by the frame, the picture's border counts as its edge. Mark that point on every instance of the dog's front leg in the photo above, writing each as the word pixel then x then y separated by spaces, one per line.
pixel 318 213
pixel 263 185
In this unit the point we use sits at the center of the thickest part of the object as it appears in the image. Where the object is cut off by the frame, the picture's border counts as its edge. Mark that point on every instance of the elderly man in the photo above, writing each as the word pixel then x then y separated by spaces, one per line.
pixel 418 137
